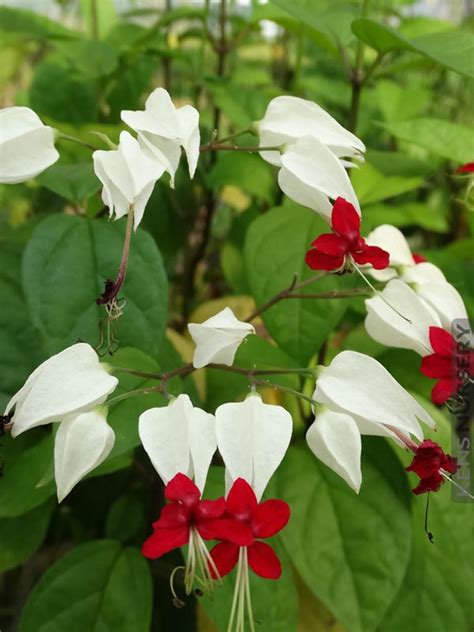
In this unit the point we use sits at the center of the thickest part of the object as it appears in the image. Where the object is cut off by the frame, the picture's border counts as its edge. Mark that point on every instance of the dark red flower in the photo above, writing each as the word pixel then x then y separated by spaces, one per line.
pixel 185 510
pixel 417 258
pixel 467 168
pixel 260 520
pixel 443 366
pixel 427 463
pixel 330 250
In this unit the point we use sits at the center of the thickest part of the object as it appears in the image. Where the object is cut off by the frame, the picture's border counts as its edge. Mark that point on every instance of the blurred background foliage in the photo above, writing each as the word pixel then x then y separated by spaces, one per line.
pixel 397 72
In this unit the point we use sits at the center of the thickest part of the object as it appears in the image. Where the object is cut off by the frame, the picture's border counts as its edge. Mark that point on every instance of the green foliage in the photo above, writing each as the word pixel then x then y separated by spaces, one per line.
pixel 98 585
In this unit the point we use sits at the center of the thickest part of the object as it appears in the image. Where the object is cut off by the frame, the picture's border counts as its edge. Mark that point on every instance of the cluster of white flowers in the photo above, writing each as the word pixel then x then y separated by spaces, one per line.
pixel 354 395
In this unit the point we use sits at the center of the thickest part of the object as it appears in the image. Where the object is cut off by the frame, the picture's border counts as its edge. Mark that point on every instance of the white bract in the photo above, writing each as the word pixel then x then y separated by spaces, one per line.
pixel 218 338
pixel 406 328
pixel 128 176
pixel 402 263
pixel 359 396
pixel 252 438
pixel 26 145
pixel 288 119
pixel 81 444
pixel 163 129
pixel 179 438
pixel 311 175
pixel 444 299
pixel 67 384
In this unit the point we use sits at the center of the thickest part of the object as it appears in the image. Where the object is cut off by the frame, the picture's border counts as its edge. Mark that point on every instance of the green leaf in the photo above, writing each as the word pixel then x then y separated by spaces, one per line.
pixel 127 518
pixel 20 537
pixel 32 25
pixel 97 586
pixel 406 214
pixel 19 346
pixel 64 267
pixel 372 186
pixel 398 103
pixel 436 593
pixel 275 249
pixel 241 104
pixel 26 460
pixel 452 49
pixel 74 182
pixel 246 171
pixel 359 544
pixel 442 138
pixel 56 93
pixel 89 59
pixel 105 16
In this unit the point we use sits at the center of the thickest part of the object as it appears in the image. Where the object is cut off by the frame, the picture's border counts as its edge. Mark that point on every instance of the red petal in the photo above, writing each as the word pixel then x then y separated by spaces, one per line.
pixel 330 244
pixel 379 258
pixel 345 220
pixel 431 484
pixel 172 516
pixel 467 168
pixel 264 561
pixel 442 342
pixel 165 540
pixel 319 261
pixel 450 464
pixel 270 517
pixel 417 258
pixel 226 529
pixel 442 391
pixel 241 501
pixel 210 509
pixel 182 489
pixel 436 366
pixel 225 556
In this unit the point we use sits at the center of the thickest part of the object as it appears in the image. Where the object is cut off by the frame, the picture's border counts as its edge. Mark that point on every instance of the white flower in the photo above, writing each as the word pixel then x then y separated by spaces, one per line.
pixel 311 175
pixel 67 384
pixel 252 438
pixel 179 438
pixel 218 338
pixel 81 444
pixel 288 119
pixel 406 328
pixel 26 145
pixel 163 129
pixel 359 396
pixel 128 176
pixel 402 263
pixel 444 299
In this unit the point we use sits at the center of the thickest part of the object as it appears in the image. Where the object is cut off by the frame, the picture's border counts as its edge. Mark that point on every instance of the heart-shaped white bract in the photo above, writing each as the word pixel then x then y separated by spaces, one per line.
pixel 218 338
pixel 444 299
pixel 252 438
pixel 26 145
pixel 129 175
pixel 163 129
pixel 179 438
pixel 70 382
pixel 409 326
pixel 82 443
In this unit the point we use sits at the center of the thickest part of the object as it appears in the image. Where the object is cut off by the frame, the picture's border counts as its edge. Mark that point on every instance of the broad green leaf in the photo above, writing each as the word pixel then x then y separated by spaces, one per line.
pixel 56 93
pixel 32 25
pixel 406 214
pixel 452 49
pixel 20 351
pixel 75 182
pixel 399 103
pixel 89 59
pixel 436 593
pixel 64 267
pixel 246 171
pixel 127 519
pixel 98 586
pixel 372 186
pixel 126 91
pixel 359 544
pixel 275 250
pixel 241 104
pixel 442 138
pixel 20 537
pixel 26 460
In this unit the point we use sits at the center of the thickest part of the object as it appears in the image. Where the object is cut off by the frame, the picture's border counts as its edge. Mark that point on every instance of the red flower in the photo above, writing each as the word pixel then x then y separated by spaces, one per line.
pixel 330 250
pixel 259 520
pixel 427 463
pixel 467 168
pixel 186 510
pixel 417 258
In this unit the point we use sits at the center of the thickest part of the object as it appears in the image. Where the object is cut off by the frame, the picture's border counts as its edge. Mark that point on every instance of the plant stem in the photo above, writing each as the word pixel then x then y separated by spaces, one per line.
pixel 221 147
pixel 73 139
pixel 94 20
pixel 357 78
